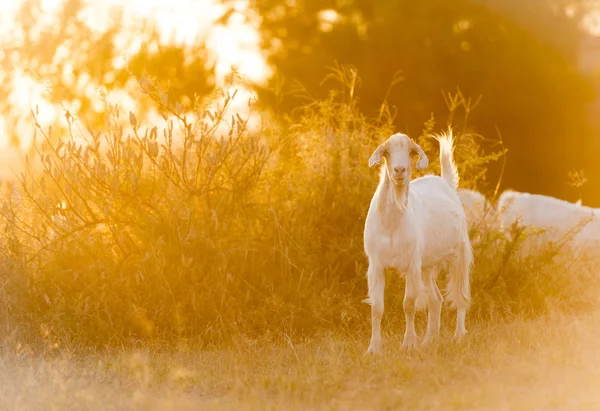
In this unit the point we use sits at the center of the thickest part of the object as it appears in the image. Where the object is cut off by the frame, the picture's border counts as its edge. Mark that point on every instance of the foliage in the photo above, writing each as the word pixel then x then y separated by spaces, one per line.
pixel 191 231
pixel 520 59
pixel 73 59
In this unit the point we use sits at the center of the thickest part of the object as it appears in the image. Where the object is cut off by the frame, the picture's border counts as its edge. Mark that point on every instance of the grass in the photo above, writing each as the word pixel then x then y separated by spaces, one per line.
pixel 544 363
pixel 187 268
pixel 200 228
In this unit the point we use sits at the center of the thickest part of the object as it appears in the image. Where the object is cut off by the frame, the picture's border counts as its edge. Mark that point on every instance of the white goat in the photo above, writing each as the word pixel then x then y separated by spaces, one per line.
pixel 478 209
pixel 417 227
pixel 557 219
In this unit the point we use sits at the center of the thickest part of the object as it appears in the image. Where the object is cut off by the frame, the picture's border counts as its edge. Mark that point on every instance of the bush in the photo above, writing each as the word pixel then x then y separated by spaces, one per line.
pixel 510 282
pixel 191 232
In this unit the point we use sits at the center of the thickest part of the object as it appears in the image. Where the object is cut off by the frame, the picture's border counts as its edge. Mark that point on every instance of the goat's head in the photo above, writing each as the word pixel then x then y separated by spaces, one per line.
pixel 398 151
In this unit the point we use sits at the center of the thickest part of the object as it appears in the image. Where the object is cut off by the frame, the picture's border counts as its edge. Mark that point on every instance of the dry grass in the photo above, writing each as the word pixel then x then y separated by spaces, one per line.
pixel 543 364
pixel 192 270
pixel 198 227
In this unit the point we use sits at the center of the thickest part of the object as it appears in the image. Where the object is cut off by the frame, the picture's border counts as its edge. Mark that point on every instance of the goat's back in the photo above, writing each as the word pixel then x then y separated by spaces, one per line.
pixel 540 211
pixel 550 219
pixel 437 208
pixel 476 206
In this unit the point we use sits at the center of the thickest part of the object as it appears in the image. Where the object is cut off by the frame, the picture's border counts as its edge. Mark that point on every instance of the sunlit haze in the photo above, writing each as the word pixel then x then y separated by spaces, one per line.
pixel 399 209
pixel 178 21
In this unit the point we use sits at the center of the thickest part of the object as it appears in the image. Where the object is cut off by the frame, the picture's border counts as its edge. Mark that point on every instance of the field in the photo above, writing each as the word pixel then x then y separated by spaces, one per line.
pixel 545 364
pixel 175 267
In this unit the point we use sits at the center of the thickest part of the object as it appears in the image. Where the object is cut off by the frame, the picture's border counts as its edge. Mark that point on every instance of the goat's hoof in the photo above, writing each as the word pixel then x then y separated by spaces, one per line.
pixel 430 340
pixel 460 335
pixel 374 347
pixel 409 343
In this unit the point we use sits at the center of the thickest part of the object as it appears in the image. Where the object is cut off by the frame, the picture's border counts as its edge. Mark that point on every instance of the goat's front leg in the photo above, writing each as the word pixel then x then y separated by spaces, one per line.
pixel 376 280
pixel 414 289
pixel 434 302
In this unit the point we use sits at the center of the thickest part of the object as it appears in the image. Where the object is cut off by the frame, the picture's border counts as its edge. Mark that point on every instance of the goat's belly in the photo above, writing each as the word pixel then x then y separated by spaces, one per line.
pixel 441 242
pixel 432 258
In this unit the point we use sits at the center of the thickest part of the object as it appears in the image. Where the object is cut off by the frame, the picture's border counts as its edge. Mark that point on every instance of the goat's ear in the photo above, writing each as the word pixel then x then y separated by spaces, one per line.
pixel 423 160
pixel 377 156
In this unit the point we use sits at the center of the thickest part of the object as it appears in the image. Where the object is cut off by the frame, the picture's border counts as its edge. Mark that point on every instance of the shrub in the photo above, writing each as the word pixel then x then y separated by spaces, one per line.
pixel 190 232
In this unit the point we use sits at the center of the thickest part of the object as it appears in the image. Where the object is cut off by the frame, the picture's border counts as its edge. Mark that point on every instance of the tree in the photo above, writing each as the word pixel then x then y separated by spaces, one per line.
pixel 74 60
pixel 531 89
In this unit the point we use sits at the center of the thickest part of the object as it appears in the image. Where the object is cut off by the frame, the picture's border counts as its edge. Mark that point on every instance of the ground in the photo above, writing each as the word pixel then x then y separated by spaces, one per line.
pixel 550 363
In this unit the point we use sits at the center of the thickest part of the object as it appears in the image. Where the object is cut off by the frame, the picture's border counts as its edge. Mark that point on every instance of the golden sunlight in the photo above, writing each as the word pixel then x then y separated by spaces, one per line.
pixel 242 204
pixel 235 45
pixel 4 140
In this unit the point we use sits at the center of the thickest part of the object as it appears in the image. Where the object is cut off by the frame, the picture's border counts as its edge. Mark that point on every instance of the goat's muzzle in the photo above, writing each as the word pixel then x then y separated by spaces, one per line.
pixel 399 175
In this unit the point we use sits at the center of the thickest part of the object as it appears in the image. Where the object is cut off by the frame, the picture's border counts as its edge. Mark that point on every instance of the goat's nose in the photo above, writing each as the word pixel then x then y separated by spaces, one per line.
pixel 399 170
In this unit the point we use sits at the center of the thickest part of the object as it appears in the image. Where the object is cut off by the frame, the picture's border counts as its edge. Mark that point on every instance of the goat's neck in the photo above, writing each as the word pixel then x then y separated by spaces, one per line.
pixel 392 197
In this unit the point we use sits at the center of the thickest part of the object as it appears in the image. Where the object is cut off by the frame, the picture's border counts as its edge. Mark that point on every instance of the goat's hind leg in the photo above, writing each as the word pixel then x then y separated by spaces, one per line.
pixel 376 281
pixel 461 330
pixel 459 289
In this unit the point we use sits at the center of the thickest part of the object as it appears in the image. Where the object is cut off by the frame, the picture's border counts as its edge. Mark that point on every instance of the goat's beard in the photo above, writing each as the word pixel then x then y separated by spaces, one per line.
pixel 399 192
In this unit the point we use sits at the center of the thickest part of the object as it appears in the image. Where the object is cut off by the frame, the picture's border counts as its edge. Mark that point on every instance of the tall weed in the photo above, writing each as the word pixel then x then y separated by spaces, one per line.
pixel 145 233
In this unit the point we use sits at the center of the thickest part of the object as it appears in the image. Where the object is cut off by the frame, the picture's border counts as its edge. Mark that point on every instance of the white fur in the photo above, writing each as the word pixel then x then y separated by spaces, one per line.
pixel 417 227
pixel 480 213
pixel 550 220
pixel 475 205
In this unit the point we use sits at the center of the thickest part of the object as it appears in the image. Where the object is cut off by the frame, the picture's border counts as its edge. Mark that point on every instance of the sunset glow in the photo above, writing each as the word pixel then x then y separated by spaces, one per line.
pixel 178 21
pixel 299 204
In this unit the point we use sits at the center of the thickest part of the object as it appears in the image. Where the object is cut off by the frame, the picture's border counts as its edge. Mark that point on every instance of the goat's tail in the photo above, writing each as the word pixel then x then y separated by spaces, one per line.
pixel 449 170
pixel 459 287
